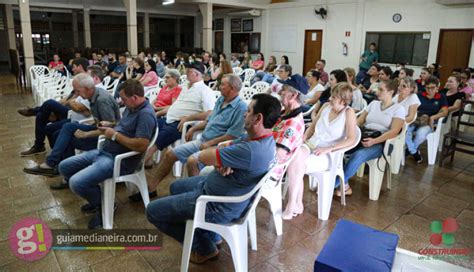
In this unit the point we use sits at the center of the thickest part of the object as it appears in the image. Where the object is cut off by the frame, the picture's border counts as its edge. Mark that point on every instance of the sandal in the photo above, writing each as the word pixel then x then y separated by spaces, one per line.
pixel 348 192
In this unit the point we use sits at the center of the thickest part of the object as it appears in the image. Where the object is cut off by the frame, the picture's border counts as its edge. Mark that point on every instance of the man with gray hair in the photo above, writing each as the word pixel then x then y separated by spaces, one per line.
pixel 226 122
pixel 81 136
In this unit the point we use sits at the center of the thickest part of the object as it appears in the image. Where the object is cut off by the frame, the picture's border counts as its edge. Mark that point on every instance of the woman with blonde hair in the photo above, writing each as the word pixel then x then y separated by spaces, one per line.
pixel 334 128
pixel 224 68
pixel 407 98
pixel 357 97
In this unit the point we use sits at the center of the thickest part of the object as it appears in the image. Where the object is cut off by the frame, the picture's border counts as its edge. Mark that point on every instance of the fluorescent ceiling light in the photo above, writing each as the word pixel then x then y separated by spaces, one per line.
pixel 168 2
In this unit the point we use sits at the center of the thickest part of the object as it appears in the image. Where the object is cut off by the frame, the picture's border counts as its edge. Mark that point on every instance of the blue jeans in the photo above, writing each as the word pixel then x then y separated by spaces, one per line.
pixel 85 171
pixel 420 136
pixel 42 118
pixel 66 143
pixel 268 78
pixel 359 156
pixel 168 134
pixel 52 131
pixel 169 214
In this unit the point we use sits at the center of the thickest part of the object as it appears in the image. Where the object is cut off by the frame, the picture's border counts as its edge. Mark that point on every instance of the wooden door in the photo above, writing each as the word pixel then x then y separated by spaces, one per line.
pixel 454 48
pixel 313 42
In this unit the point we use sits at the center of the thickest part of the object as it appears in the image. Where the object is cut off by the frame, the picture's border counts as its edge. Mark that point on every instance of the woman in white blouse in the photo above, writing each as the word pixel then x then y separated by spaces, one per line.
pixel 334 128
pixel 407 98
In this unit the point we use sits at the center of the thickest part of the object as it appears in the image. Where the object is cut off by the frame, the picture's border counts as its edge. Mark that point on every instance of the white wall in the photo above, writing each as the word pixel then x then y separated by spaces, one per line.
pixel 359 17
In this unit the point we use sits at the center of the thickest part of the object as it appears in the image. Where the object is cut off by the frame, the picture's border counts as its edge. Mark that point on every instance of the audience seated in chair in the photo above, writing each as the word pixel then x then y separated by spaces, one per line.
pixel 149 78
pixel 336 76
pixel 324 78
pixel 119 69
pixel 433 106
pixel 52 115
pixel 425 74
pixel 407 98
pixel 268 72
pixel 315 88
pixel 334 128
pixel 225 123
pixel 384 119
pixel 194 103
pixel 283 73
pixel 454 97
pixel 357 102
pixel 370 82
pixel 168 94
pixel 75 135
pixel 85 171
pixel 239 167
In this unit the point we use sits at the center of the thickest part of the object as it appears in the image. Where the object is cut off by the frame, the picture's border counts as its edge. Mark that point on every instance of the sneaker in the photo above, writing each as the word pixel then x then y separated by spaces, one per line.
pixel 200 259
pixel 407 152
pixel 27 112
pixel 59 185
pixel 417 156
pixel 33 151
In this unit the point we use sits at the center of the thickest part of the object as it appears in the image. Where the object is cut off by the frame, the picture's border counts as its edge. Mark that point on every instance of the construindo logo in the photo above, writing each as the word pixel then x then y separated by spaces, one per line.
pixel 443 235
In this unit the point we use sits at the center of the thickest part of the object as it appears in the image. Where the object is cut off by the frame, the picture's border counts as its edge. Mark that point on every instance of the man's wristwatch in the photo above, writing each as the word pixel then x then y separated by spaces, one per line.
pixel 114 137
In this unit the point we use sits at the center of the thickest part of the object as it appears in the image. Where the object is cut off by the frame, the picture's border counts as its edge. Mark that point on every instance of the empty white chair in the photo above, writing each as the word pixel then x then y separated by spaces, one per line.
pixel 235 234
pixel 108 186
pixel 260 86
pixel 37 71
pixel 247 93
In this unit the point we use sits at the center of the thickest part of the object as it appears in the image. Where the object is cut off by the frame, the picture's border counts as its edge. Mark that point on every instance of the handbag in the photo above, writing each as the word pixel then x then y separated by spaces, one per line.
pixel 423 120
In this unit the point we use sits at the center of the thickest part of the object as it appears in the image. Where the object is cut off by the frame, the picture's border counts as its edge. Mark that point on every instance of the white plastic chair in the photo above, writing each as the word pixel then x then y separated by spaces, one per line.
pixel 106 81
pixel 377 170
pixel 260 86
pixel 364 103
pixel 183 80
pixel 108 186
pixel 247 93
pixel 212 84
pixel 433 139
pixel 161 83
pixel 112 86
pixel 235 234
pixel 445 129
pixel 37 71
pixel 237 71
pixel 248 75
pixel 325 180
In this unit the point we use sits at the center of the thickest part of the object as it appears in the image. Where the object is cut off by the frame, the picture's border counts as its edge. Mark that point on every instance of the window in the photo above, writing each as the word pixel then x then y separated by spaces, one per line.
pixel 411 48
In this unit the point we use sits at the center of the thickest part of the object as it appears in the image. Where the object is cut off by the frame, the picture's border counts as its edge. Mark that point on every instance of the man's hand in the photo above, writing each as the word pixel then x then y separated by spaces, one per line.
pixel 224 171
pixel 431 121
pixel 81 134
pixel 181 123
pixel 224 144
pixel 368 142
pixel 107 132
pixel 204 146
pixel 189 135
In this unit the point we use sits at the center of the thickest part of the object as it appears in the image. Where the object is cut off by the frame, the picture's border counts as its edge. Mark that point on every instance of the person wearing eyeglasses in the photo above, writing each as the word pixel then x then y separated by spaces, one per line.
pixel 433 106
pixel 168 94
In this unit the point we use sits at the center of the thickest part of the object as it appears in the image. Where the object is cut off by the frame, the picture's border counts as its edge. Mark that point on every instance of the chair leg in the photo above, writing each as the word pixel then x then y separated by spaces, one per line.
pixel 376 178
pixel 252 224
pixel 313 184
pixel 432 148
pixel 274 198
pixel 177 169
pixel 142 186
pixel 108 197
pixel 187 245
pixel 325 195
pixel 238 247
pixel 360 172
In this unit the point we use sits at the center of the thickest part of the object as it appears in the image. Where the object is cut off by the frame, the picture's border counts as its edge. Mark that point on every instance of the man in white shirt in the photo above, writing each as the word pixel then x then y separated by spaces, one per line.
pixel 194 103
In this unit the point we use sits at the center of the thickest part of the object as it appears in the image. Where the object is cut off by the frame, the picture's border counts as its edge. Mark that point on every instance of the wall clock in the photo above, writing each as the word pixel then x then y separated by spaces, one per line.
pixel 397 17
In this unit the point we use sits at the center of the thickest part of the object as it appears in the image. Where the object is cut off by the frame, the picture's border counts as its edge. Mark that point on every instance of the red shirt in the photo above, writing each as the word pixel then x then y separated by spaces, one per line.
pixel 166 96
pixel 55 64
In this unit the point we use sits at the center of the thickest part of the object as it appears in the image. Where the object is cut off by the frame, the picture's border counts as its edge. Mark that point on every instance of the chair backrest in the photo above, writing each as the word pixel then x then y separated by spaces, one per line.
pixel 248 75
pixel 364 107
pixel 260 86
pixel 237 71
pixel 217 94
pixel 106 81
pixel 152 94
pixel 247 93
pixel 465 115
pixel 37 71
pixel 161 83
pixel 183 80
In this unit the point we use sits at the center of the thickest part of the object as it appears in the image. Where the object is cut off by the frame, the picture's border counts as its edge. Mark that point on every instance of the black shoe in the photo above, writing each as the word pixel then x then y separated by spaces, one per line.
pixel 33 151
pixel 138 197
pixel 37 170
pixel 88 208
pixel 96 221
pixel 417 157
pixel 407 152
pixel 59 185
pixel 27 112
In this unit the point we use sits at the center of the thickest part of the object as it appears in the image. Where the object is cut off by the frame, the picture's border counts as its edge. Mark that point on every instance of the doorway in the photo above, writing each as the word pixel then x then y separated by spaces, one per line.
pixel 454 48
pixel 219 42
pixel 313 41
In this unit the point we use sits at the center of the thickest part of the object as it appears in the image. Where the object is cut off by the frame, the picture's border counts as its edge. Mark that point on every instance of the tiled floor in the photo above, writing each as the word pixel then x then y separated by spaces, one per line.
pixel 419 195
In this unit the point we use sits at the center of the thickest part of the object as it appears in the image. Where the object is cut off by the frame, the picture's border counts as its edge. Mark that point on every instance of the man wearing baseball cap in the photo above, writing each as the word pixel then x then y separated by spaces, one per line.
pixel 194 103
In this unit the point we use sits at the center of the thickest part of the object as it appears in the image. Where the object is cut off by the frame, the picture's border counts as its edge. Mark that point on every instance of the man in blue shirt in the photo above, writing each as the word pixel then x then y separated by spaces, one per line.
pixel 226 122
pixel 120 68
pixel 239 167
pixel 368 58
pixel 133 133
